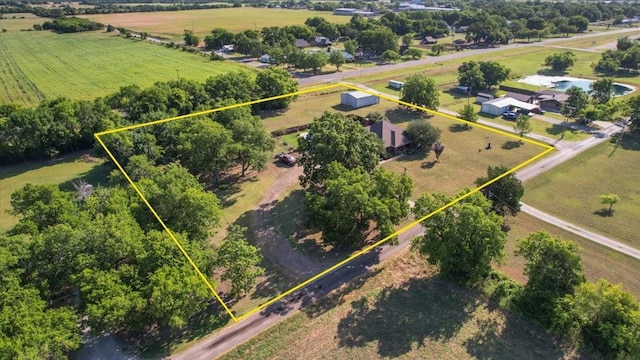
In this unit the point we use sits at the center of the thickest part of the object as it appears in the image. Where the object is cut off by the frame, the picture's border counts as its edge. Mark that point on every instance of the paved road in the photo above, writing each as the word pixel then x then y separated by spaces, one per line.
pixel 615 245
pixel 234 335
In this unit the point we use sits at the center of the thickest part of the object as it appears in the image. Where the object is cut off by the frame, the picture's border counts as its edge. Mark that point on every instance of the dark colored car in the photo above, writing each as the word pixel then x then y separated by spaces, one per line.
pixel 510 115
pixel 537 111
pixel 287 159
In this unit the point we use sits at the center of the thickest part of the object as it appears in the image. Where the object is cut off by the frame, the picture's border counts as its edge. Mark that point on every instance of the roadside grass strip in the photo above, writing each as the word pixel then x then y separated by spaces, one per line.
pixel 546 149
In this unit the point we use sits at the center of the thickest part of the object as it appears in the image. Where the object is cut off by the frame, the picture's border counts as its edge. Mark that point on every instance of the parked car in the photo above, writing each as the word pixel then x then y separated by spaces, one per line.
pixel 510 115
pixel 287 159
pixel 537 111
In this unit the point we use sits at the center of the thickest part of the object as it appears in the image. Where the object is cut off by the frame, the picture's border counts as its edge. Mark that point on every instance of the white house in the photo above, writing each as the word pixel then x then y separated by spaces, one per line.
pixel 499 106
pixel 358 99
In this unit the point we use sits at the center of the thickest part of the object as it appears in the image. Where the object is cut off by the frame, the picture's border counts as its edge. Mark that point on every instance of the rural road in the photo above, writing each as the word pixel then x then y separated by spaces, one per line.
pixel 625 249
pixel 236 334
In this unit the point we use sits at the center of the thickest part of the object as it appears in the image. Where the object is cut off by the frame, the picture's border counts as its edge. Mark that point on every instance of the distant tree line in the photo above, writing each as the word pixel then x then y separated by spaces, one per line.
pixel 71 25
pixel 61 125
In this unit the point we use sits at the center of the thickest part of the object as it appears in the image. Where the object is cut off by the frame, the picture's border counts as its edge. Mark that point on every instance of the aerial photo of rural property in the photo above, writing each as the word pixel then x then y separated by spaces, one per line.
pixel 319 179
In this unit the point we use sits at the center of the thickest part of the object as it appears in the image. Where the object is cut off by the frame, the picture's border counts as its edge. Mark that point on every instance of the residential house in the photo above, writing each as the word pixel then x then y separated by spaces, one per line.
pixel 321 41
pixel 429 40
pixel 551 100
pixel 393 137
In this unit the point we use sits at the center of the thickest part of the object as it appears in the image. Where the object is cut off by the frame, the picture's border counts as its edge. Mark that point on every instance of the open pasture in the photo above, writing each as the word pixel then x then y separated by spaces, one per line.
pixel 20 21
pixel 171 24
pixel 89 65
pixel 571 190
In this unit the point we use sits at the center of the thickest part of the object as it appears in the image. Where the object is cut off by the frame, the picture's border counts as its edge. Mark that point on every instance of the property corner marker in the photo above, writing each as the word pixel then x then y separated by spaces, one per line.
pixel 547 149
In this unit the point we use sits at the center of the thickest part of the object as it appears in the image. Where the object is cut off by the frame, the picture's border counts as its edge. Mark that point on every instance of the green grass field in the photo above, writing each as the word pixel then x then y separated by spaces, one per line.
pixel 171 25
pixel 89 65
pixel 60 171
pixel 20 21
pixel 401 310
pixel 571 190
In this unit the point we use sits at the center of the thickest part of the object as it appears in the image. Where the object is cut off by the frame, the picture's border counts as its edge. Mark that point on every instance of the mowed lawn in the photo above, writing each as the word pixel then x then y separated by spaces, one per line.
pixel 571 190
pixel 91 64
pixel 400 310
pixel 171 24
pixel 60 171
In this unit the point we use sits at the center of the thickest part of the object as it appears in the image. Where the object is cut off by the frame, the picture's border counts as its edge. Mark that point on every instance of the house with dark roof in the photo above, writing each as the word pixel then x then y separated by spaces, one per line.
pixel 301 43
pixel 393 137
pixel 520 96
pixel 321 41
pixel 429 40
pixel 551 100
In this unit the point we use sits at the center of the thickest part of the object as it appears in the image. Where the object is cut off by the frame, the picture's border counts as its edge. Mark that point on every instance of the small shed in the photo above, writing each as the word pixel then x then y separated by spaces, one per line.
pixel 358 99
pixel 482 97
pixel 396 84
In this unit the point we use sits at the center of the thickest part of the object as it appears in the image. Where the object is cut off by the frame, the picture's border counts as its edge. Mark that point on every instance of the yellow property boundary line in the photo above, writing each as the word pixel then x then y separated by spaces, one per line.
pixel 547 148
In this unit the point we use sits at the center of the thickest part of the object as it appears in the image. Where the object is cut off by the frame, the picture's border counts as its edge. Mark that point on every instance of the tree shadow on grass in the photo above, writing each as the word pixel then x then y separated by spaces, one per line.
pixel 402 114
pixel 511 144
pixel 290 216
pixel 97 176
pixel 604 212
pixel 399 318
pixel 629 141
pixel 507 337
pixel 460 128
pixel 551 72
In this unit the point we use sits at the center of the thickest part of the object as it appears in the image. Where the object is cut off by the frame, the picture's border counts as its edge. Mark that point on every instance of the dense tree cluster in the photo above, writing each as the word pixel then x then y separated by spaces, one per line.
pixel 482 75
pixel 103 255
pixel 62 125
pixel 347 197
pixel 71 25
pixel 626 57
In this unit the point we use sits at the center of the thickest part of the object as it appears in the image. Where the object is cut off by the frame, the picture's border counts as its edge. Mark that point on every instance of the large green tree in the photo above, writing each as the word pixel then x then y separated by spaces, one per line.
pixel 494 73
pixel 423 133
pixel 505 193
pixel 274 82
pixel 633 111
pixel 602 90
pixel 240 260
pixel 421 90
pixel 351 199
pixel 553 267
pixel 334 137
pixel 204 148
pixel 578 99
pixel 469 74
pixel 378 40
pixel 464 239
pixel 603 318
pixel 252 143
pixel 560 61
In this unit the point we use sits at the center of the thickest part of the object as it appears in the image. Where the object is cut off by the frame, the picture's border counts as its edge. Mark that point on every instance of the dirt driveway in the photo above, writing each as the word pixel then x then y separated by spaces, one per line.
pixel 275 246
